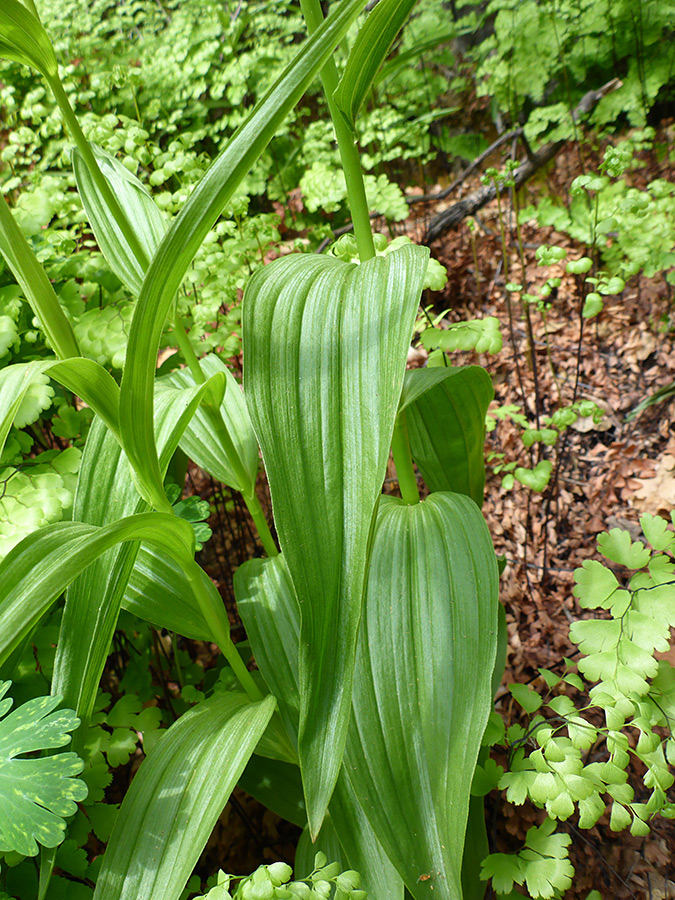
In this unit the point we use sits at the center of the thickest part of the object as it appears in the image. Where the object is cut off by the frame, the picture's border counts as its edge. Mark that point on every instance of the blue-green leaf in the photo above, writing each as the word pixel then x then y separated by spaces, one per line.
pixel 143 216
pixel 422 686
pixel 325 346
pixel 445 416
pixel 180 790
pixel 370 49
pixel 189 229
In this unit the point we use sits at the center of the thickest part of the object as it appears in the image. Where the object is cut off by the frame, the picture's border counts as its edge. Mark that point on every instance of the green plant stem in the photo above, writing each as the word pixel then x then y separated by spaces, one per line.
pixel 216 619
pixel 346 139
pixel 36 286
pixel 260 522
pixel 47 860
pixel 104 188
pixel 251 500
pixel 400 448
pixel 186 348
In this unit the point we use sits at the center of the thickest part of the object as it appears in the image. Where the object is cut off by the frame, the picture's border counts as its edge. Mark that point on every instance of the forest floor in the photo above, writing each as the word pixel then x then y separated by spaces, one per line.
pixel 605 475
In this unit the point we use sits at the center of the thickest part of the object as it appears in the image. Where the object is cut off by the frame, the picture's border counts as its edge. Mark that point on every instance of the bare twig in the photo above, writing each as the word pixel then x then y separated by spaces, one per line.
pixel 452 216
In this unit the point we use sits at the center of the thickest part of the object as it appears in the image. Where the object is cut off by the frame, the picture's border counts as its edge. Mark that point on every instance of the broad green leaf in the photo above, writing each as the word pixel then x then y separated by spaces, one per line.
pixel 326 842
pixel 537 478
pixel 325 345
pixel 35 285
pixel 476 848
pixel 422 685
pixel 41 567
pixel 269 608
pixel 526 696
pixel 24 40
pixel 361 848
pixel 274 744
pixel 175 799
pixel 191 226
pixel 36 794
pixel 597 586
pixel 142 214
pixel 370 49
pixel 504 869
pixel 277 785
pixel 83 377
pixel 105 494
pixel 159 593
pixel 445 415
pixel 231 457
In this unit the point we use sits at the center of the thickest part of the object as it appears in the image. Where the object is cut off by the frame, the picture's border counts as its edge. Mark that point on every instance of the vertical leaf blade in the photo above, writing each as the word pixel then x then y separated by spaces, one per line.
pixel 203 444
pixel 173 802
pixel 445 415
pixel 368 53
pixel 105 494
pixel 422 689
pixel 269 608
pixel 37 288
pixel 190 227
pixel 325 346
pixel 142 213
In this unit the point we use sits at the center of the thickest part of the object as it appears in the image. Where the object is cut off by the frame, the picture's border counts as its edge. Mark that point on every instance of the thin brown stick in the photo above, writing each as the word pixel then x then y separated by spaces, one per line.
pixel 451 217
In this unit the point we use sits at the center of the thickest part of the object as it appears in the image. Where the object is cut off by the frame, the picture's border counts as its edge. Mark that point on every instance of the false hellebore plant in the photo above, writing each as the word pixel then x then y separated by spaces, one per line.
pixel 374 629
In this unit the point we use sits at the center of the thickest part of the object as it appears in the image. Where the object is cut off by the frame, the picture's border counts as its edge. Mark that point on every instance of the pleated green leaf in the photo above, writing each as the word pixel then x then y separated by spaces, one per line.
pixel 83 377
pixel 370 49
pixel 159 592
pixel 269 608
pixel 325 347
pixel 231 457
pixel 24 40
pixel 444 410
pixel 105 494
pixel 143 216
pixel 361 846
pixel 37 570
pixel 277 785
pixel 326 842
pixel 36 287
pixel 175 799
pixel 346 837
pixel 422 687
pixel 191 226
